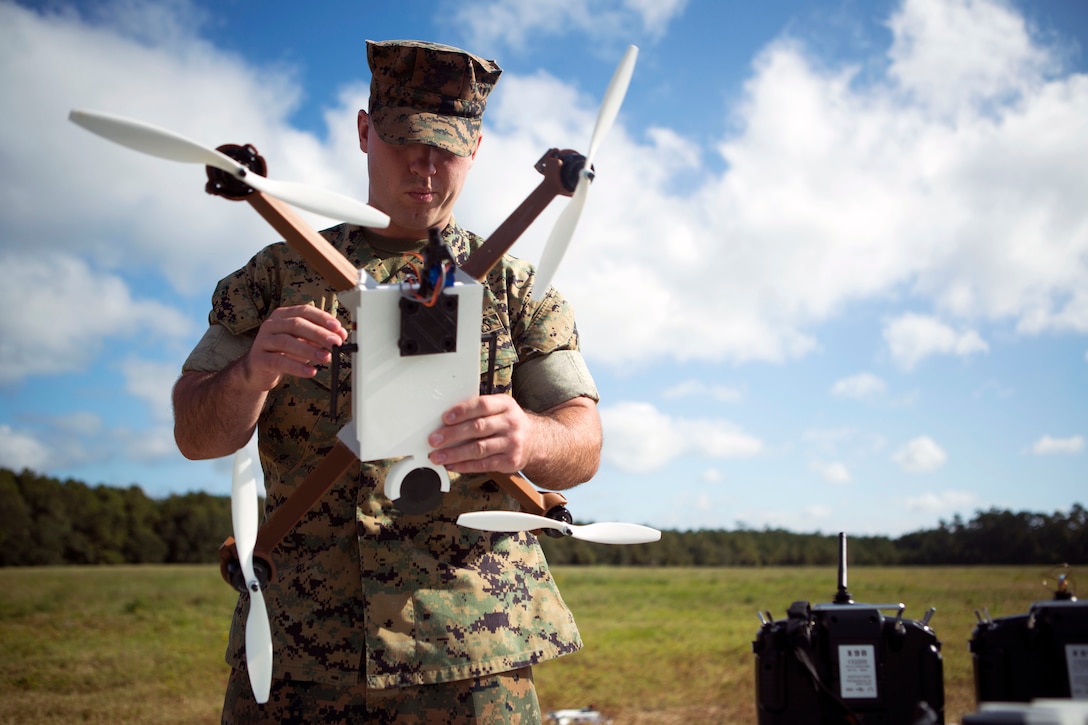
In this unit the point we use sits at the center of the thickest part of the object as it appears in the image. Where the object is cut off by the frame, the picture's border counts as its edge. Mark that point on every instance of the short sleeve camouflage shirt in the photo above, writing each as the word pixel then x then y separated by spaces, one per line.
pixel 363 590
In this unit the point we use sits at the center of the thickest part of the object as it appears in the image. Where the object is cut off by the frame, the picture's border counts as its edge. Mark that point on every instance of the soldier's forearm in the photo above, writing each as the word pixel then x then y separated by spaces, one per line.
pixel 214 415
pixel 568 449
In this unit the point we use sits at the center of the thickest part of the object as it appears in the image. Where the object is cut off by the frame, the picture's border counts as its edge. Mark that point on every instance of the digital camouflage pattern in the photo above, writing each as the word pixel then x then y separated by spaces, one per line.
pixel 428 93
pixel 366 594
pixel 508 698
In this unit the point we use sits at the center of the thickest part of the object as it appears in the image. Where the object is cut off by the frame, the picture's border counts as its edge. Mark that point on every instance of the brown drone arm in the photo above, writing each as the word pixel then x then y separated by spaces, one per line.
pixel 291 511
pixel 325 259
pixel 531 500
pixel 551 165
pixel 555 182
pixel 228 560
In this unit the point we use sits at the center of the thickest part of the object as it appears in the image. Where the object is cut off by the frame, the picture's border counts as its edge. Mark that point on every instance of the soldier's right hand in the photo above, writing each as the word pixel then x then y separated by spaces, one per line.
pixel 290 342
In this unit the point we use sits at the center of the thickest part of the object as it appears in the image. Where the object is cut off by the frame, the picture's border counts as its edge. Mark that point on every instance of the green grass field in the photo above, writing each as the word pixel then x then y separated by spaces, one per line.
pixel 145 644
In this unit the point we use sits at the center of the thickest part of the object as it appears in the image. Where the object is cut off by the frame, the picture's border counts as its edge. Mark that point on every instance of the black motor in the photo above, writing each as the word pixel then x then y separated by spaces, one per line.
pixel 845 662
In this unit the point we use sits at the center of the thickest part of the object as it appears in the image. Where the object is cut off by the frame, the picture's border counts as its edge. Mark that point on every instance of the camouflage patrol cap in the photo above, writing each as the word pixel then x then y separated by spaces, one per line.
pixel 428 93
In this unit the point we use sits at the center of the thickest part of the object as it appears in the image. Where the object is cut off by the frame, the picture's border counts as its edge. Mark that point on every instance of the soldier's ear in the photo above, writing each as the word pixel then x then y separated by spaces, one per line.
pixel 364 129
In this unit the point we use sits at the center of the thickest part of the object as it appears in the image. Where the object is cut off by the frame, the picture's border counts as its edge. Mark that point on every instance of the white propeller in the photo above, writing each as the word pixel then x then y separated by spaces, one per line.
pixel 601 533
pixel 168 145
pixel 244 516
pixel 561 234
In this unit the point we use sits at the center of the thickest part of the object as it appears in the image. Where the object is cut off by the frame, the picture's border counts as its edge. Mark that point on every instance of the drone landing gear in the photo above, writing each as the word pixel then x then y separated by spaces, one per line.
pixel 416 489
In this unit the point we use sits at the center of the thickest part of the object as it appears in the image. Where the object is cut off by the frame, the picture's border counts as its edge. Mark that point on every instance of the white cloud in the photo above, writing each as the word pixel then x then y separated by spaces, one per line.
pixel 512 25
pixel 84 307
pixel 861 386
pixel 147 445
pixel 712 475
pixel 994 388
pixel 912 338
pixel 123 208
pixel 832 471
pixel 655 14
pixel 920 455
pixel 153 382
pixel 885 193
pixel 817 512
pixel 953 54
pixel 80 423
pixel 1047 446
pixel 931 502
pixel 699 389
pixel 834 442
pixel 82 438
pixel 19 450
pixel 639 438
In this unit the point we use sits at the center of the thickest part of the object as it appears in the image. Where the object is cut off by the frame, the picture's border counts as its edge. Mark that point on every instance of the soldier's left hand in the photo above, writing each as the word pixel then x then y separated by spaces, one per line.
pixel 486 433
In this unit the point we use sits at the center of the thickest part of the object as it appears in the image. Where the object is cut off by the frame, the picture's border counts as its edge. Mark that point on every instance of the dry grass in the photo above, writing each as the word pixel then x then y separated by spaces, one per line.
pixel 674 645
pixel 114 645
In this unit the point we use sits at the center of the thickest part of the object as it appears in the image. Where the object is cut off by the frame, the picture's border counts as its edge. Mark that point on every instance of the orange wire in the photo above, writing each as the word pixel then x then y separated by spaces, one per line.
pixel 419 279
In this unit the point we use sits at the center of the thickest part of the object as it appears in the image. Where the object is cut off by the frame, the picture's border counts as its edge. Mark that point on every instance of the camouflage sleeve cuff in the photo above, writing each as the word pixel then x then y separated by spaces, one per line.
pixel 548 380
pixel 217 349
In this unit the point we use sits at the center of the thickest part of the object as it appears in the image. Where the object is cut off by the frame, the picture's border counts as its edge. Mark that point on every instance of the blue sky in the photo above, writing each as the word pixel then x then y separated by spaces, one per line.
pixel 832 276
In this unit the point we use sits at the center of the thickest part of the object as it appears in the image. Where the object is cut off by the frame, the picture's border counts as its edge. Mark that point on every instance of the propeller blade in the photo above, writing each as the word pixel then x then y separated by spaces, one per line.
pixel 613 99
pixel 320 201
pixel 563 232
pixel 559 239
pixel 152 140
pixel 600 533
pixel 259 647
pixel 244 511
pixel 244 515
pixel 164 144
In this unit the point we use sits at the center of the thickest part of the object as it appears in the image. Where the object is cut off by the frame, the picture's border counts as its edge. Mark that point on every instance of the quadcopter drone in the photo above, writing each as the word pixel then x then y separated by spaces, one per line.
pixel 418 339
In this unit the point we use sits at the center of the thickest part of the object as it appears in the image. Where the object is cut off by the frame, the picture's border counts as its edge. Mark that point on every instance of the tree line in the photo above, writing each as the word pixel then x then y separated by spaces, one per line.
pixel 45 521
pixel 991 538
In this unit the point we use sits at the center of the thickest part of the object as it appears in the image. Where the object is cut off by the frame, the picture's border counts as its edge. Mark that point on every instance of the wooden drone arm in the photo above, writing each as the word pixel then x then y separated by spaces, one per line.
pixel 343 275
pixel 551 165
pixel 531 500
pixel 322 477
pixel 314 248
pixel 313 487
pixel 484 258
pixel 290 512
pixel 337 461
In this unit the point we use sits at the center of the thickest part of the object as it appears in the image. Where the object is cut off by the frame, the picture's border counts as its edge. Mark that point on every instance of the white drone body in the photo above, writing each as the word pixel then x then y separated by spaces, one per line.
pixel 398 399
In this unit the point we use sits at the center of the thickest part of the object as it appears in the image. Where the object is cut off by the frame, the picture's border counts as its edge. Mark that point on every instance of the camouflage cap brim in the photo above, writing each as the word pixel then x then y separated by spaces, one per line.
pixel 397 125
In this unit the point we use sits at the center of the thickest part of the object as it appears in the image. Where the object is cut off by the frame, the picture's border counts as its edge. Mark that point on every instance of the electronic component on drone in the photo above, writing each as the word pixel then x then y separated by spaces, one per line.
pixel 428 315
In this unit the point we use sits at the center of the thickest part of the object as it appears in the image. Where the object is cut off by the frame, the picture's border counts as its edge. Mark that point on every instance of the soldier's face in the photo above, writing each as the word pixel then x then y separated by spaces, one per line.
pixel 415 184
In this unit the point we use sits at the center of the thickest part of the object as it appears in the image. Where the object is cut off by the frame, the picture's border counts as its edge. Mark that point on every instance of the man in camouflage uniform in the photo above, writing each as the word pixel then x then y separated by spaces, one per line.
pixel 378 615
